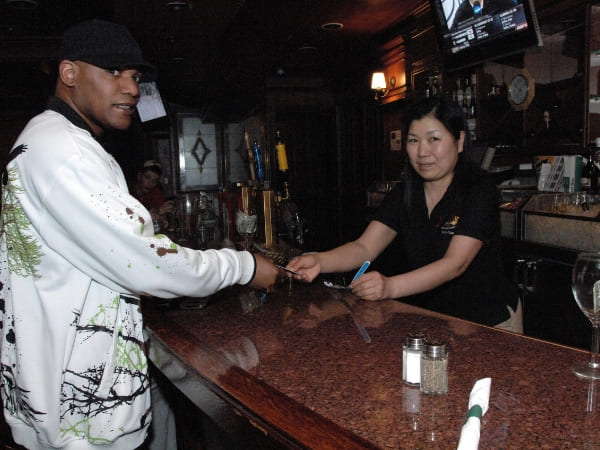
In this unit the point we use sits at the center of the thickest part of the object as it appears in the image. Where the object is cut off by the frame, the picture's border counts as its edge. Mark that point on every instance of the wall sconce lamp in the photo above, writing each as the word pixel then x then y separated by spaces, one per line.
pixel 379 85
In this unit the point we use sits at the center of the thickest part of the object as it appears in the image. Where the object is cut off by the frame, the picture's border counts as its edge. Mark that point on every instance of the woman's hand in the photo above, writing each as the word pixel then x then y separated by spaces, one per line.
pixel 371 286
pixel 308 267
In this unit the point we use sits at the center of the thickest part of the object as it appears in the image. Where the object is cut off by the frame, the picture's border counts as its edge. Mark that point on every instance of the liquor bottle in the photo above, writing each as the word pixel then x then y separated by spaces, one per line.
pixel 436 86
pixel 282 164
pixel 459 92
pixel 590 173
pixel 468 91
pixel 427 88
pixel 472 121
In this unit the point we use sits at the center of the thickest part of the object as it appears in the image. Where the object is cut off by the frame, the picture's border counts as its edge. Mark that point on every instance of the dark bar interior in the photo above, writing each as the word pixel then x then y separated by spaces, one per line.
pixel 280 128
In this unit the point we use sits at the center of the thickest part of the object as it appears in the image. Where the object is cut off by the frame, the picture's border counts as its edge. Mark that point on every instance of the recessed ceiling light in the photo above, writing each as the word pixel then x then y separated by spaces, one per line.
pixel 23 4
pixel 179 5
pixel 307 48
pixel 330 26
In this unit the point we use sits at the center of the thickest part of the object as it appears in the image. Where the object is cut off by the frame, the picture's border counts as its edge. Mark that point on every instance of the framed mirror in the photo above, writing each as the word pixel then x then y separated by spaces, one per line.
pixel 199 154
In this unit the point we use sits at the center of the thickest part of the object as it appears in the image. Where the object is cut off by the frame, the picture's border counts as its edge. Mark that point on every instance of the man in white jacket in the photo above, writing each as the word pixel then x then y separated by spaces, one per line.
pixel 76 253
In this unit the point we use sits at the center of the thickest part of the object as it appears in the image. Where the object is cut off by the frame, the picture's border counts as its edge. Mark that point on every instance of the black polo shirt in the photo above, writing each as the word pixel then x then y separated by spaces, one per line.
pixel 483 291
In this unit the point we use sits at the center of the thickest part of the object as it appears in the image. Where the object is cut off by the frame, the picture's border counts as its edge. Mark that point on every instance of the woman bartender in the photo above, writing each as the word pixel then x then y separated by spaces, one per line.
pixel 446 218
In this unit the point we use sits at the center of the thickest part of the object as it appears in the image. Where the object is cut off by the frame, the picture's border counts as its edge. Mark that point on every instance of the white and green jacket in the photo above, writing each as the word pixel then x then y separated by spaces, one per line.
pixel 76 252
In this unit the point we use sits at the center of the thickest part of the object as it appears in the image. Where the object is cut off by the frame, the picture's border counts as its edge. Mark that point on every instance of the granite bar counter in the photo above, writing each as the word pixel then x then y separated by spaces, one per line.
pixel 298 370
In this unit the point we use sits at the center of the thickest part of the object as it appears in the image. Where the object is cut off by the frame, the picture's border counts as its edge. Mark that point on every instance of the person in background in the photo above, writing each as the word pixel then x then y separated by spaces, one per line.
pixel 76 254
pixel 148 191
pixel 446 218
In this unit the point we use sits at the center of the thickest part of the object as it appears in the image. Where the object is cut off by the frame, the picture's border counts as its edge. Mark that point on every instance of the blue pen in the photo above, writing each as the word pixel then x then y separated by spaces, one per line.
pixel 362 270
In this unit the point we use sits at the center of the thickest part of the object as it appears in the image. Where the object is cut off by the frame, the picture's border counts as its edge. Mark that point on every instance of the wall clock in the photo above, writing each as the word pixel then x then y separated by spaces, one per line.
pixel 521 90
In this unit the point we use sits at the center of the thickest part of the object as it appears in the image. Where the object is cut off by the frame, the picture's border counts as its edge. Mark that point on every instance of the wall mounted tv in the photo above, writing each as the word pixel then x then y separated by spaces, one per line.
pixel 473 31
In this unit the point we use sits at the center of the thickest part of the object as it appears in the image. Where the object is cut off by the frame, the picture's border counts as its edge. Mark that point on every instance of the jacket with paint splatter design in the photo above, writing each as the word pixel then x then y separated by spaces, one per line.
pixel 76 252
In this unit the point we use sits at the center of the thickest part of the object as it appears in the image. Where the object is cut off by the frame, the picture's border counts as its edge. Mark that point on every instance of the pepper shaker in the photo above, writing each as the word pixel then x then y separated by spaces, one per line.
pixel 434 368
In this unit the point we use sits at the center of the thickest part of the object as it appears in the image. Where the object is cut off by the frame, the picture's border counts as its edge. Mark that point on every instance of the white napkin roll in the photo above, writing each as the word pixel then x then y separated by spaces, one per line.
pixel 478 406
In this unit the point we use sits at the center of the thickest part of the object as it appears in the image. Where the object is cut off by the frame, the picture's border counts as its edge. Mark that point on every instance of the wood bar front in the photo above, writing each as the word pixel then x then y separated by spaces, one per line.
pixel 299 371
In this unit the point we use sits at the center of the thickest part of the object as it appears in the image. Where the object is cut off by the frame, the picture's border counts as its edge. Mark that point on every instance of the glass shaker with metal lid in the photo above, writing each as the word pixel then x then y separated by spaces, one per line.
pixel 411 358
pixel 434 368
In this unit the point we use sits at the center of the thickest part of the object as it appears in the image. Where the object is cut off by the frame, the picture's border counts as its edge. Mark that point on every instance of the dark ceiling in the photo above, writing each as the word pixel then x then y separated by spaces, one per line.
pixel 213 54
pixel 208 52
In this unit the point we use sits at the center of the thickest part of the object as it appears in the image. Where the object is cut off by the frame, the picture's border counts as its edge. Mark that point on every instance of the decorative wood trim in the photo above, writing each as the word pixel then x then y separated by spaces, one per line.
pixel 393 58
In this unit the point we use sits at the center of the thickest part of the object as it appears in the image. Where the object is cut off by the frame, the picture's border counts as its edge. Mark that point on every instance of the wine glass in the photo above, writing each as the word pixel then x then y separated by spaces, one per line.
pixel 246 226
pixel 586 290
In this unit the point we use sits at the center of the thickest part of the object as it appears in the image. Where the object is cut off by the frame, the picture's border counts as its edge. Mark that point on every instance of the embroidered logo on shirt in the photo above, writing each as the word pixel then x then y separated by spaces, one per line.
pixel 450 225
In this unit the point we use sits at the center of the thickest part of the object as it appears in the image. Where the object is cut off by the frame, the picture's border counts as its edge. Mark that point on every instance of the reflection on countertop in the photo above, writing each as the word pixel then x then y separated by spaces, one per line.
pixel 298 366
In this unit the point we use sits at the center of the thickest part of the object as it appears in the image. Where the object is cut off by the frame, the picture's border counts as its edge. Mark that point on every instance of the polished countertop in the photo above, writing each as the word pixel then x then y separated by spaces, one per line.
pixel 297 367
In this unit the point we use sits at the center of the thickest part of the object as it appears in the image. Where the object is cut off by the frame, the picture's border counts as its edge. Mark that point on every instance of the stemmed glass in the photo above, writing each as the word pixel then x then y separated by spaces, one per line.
pixel 586 290
pixel 246 226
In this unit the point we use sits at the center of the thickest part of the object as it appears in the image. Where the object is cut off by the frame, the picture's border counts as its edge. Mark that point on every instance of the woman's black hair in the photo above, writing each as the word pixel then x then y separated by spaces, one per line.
pixel 450 114
pixel 443 109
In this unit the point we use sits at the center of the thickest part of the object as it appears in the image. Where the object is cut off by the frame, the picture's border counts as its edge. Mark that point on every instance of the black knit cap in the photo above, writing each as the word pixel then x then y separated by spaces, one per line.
pixel 102 44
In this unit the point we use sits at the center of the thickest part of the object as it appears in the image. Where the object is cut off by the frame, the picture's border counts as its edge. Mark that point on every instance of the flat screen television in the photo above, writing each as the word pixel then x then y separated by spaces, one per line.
pixel 473 31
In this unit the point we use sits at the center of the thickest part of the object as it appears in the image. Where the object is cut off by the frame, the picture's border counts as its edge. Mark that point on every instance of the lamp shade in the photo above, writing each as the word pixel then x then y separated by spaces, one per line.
pixel 378 81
